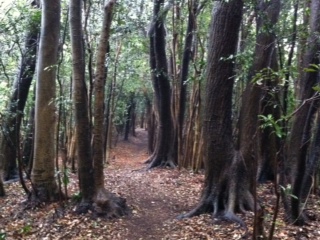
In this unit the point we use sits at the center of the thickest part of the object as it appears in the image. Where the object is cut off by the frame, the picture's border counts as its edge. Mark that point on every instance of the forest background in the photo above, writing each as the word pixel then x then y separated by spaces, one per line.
pixel 228 87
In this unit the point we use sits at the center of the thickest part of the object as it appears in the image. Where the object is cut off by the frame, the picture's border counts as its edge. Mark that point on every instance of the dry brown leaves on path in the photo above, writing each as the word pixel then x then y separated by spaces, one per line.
pixel 155 197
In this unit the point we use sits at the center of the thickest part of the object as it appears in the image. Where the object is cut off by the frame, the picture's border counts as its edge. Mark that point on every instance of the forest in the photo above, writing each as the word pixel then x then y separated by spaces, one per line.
pixel 163 119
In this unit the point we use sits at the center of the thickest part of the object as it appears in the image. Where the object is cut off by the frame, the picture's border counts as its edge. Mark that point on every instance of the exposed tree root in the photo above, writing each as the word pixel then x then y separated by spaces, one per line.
pixel 162 161
pixel 109 205
pixel 44 194
pixel 230 195
pixel 84 206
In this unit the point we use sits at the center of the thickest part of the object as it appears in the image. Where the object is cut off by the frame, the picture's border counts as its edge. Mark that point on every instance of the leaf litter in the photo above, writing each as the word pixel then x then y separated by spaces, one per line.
pixel 155 198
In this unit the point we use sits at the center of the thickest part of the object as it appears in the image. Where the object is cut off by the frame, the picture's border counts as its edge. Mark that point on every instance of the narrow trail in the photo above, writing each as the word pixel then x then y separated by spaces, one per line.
pixel 148 193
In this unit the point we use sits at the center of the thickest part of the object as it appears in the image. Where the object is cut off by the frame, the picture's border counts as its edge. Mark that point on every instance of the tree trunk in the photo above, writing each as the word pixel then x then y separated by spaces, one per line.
pixel 150 124
pixel 256 100
pixel 13 117
pixel 129 117
pixel 80 100
pixel 163 154
pixel 225 188
pixel 105 203
pixel 28 144
pixel 2 191
pixel 187 54
pixel 302 123
pixel 43 171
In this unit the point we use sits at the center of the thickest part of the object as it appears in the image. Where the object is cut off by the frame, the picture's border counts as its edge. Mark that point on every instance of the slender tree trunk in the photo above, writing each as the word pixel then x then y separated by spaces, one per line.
pixel 105 203
pixel 28 144
pixel 43 171
pixel 81 115
pixel 13 117
pixel 187 54
pixel 129 117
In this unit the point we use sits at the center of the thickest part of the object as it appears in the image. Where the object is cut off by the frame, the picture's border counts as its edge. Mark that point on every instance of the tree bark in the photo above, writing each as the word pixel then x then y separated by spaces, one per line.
pixel 105 203
pixel 225 189
pixel 256 99
pixel 163 154
pixel 2 191
pixel 13 117
pixel 302 123
pixel 43 172
pixel 81 114
pixel 187 54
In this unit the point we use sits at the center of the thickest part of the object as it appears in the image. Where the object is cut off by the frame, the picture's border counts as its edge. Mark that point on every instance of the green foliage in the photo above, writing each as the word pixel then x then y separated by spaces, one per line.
pixel 65 177
pixel 312 68
pixel 269 122
pixel 76 197
pixel 287 190
pixel 2 235
pixel 267 74
pixel 26 229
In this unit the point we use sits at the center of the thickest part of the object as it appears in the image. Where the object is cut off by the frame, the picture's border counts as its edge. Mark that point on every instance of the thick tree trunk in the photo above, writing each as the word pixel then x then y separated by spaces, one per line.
pixel 43 171
pixel 80 100
pixel 105 203
pixel 256 100
pixel 163 154
pixel 302 123
pixel 312 167
pixel 12 122
pixel 225 188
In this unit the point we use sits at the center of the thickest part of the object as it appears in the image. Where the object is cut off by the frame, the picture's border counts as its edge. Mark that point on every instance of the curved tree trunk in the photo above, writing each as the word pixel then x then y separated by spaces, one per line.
pixel 225 188
pixel 81 115
pixel 105 203
pixel 43 171
pixel 302 123
pixel 11 125
pixel 163 154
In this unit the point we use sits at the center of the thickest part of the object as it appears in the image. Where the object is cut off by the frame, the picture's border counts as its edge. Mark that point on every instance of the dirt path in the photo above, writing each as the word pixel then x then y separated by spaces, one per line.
pixel 155 198
pixel 147 192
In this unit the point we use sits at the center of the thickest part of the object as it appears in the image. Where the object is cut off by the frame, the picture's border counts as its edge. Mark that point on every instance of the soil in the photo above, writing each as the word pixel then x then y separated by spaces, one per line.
pixel 155 199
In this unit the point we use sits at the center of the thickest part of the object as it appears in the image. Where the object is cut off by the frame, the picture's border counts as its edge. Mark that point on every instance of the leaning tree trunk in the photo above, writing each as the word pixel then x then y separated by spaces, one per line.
pixel 163 154
pixel 105 203
pixel 81 115
pixel 302 123
pixel 225 189
pixel 12 122
pixel 43 171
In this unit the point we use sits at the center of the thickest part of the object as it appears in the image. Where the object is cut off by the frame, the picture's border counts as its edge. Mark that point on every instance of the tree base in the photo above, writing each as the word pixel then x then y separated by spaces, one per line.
pixel 109 205
pixel 45 193
pixel 160 162
pixel 228 195
pixel 2 192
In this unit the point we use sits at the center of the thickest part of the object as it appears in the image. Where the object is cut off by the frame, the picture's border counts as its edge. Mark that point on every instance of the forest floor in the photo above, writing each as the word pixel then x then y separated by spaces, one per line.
pixel 155 198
